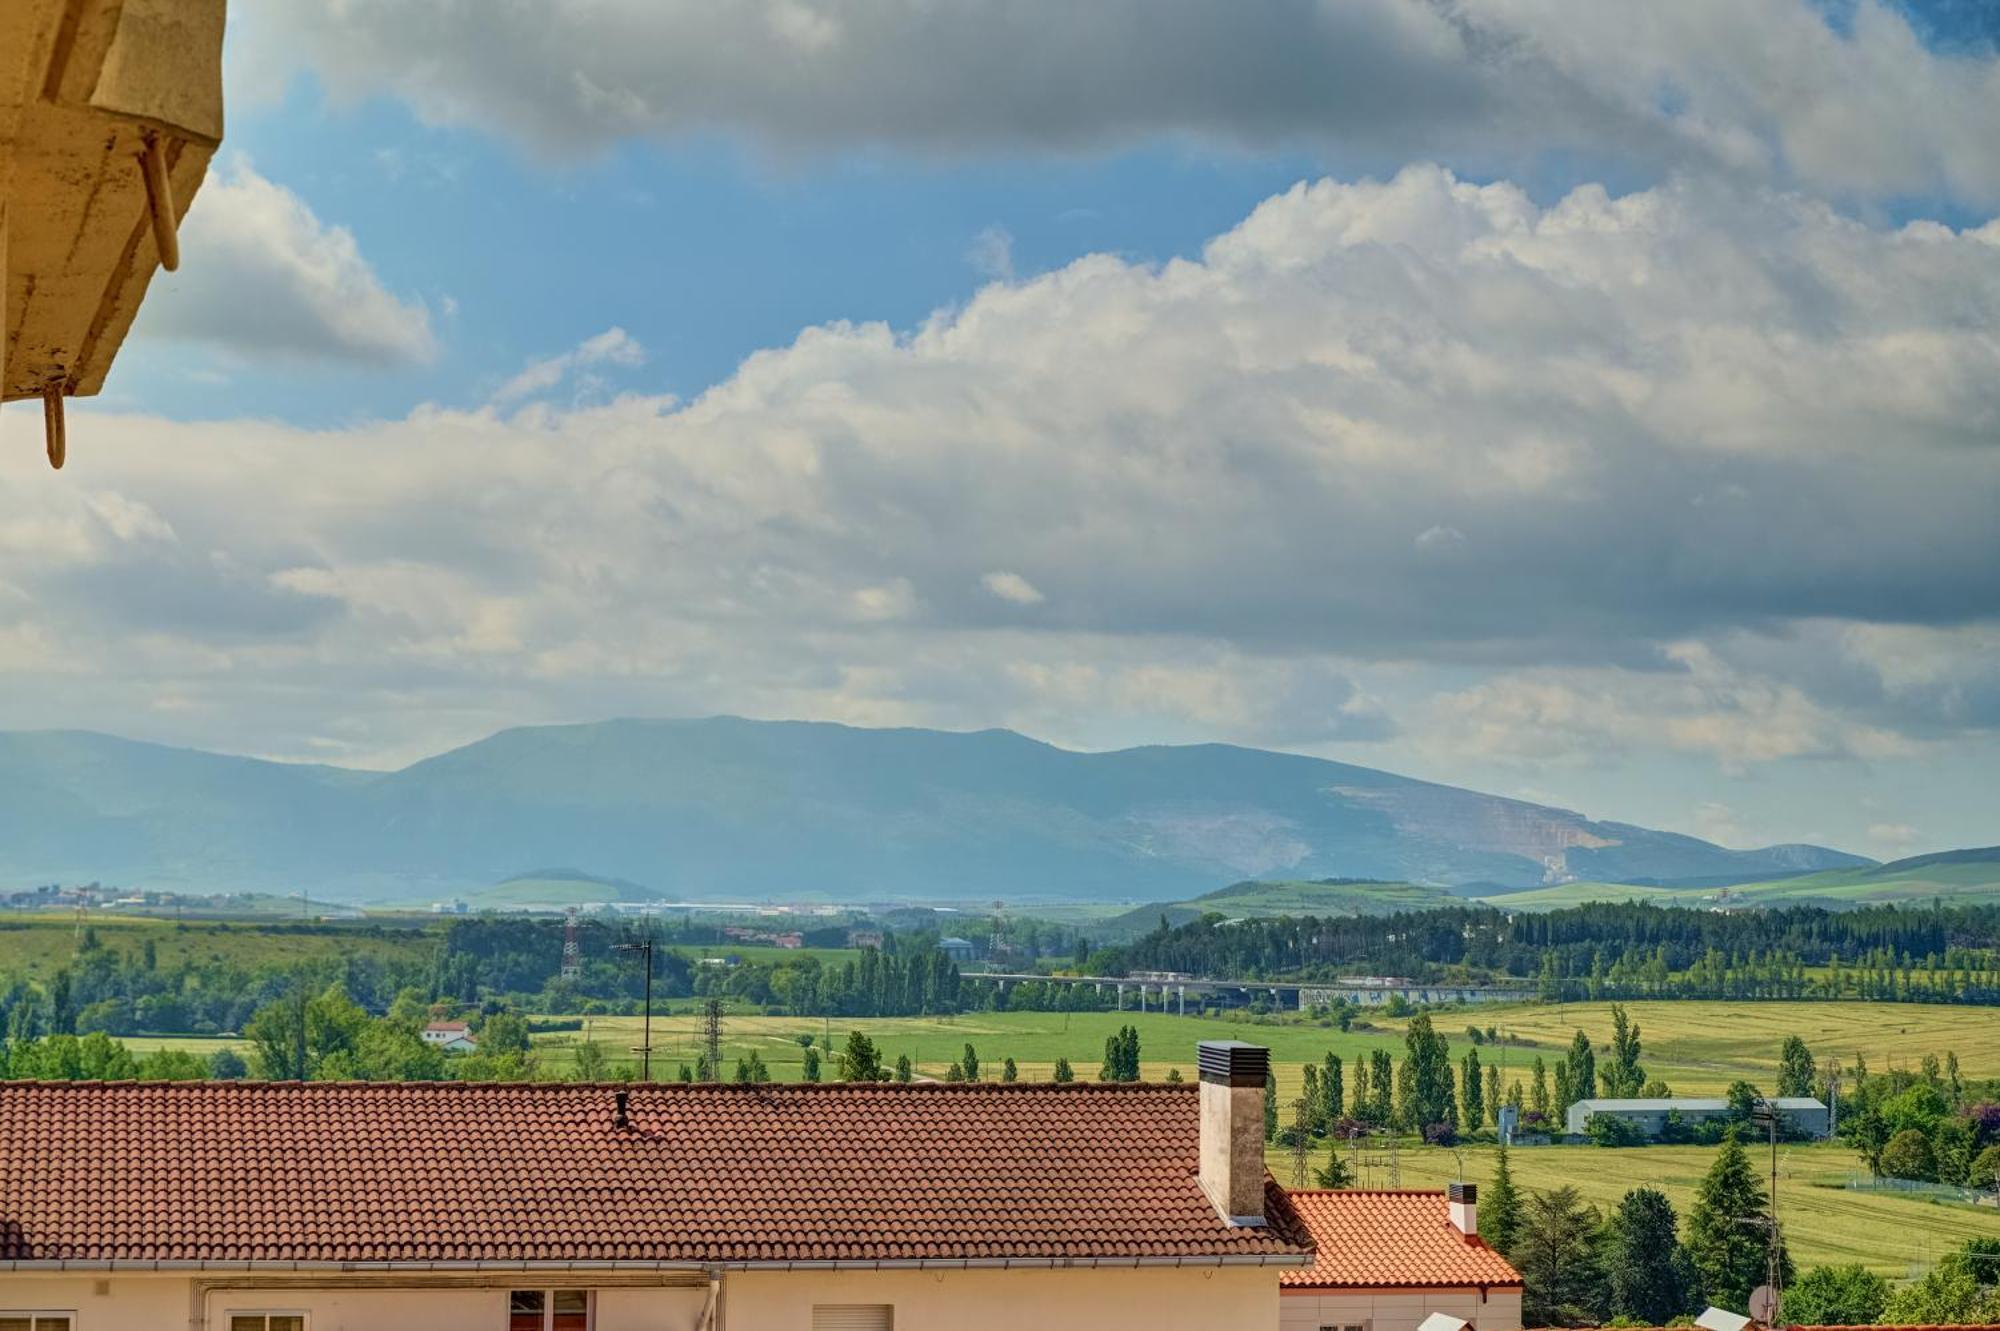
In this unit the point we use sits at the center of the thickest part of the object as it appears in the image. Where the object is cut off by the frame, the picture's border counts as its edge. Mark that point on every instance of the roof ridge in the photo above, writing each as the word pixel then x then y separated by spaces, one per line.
pixel 669 1087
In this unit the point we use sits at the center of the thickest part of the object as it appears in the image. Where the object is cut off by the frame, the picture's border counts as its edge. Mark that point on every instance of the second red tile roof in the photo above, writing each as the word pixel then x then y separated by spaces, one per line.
pixel 1382 1240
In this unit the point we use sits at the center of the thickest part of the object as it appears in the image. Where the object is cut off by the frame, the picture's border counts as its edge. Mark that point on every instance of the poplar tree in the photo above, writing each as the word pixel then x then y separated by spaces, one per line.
pixel 1472 1092
pixel 1430 1098
pixel 1332 1100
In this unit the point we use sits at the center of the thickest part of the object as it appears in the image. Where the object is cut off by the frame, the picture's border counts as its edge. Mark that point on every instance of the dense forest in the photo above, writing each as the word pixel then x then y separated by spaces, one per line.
pixel 1628 950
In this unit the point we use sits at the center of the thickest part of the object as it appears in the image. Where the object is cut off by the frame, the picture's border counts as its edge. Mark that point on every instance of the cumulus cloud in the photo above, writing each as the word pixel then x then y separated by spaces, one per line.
pixel 1762 88
pixel 1693 435
pixel 266 277
pixel 1012 587
pixel 613 346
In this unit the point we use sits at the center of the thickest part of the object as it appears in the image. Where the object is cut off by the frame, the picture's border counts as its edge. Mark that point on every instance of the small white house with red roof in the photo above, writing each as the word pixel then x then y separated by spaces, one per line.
pixel 454 1037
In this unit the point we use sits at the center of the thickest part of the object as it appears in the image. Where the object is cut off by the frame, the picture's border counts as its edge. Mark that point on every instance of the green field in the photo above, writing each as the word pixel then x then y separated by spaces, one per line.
pixel 1697 1047
pixel 1891 1234
pixel 39 945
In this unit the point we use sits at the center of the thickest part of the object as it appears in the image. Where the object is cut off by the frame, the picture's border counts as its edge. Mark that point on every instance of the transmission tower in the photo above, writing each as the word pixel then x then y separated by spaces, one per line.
pixel 711 1034
pixel 572 958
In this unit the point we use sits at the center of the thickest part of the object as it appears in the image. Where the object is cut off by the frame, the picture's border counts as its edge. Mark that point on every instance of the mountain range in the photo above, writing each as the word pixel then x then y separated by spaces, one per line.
pixel 726 808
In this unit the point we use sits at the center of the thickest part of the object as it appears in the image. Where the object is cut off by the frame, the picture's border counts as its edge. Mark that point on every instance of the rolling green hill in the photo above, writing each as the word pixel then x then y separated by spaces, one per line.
pixel 1330 896
pixel 1959 877
pixel 558 887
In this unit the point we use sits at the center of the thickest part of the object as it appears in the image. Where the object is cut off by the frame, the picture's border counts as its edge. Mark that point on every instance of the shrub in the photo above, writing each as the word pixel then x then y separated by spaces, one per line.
pixel 1908 1155
pixel 1610 1130
pixel 1850 1295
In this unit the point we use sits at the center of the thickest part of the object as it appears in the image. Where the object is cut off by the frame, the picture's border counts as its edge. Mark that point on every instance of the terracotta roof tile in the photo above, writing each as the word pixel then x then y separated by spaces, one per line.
pixel 1379 1240
pixel 442 1171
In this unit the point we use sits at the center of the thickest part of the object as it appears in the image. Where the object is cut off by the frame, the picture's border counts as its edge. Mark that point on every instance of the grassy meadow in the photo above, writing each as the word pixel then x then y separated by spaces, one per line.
pixel 39 945
pixel 1891 1234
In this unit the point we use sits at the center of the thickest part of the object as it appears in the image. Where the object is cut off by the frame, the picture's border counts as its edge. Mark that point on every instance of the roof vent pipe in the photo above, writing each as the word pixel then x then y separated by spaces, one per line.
pixel 619 1102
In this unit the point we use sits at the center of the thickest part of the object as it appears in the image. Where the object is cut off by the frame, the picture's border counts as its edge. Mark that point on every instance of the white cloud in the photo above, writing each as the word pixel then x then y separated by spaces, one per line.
pixel 1012 587
pixel 1895 838
pixel 992 254
pixel 263 276
pixel 1760 88
pixel 1699 437
pixel 613 346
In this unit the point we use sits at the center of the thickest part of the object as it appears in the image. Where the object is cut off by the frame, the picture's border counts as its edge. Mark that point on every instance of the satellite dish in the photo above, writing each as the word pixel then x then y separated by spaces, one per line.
pixel 1764 1305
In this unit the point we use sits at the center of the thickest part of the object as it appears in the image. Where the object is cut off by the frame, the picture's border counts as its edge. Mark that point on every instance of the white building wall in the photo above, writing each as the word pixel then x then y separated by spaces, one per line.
pixel 1397 1309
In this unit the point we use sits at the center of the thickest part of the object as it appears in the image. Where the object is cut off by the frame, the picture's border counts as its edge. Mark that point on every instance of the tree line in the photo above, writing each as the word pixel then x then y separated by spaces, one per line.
pixel 1607 950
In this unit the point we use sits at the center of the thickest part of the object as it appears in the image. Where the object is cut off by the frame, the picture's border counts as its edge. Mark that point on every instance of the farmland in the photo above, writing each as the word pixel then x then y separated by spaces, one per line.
pixel 36 946
pixel 1697 1047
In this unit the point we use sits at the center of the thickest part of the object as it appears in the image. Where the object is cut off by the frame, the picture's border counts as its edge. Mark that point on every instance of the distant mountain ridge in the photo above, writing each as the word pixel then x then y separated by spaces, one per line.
pixel 725 807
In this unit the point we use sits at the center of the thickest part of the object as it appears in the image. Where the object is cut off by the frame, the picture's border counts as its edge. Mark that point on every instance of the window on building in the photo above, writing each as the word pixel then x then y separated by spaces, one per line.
pixel 547 1310
pixel 36 1321
pixel 264 1321
pixel 853 1317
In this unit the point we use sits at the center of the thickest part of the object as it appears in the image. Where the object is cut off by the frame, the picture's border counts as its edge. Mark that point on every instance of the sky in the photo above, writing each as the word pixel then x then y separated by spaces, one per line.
pixel 1597 404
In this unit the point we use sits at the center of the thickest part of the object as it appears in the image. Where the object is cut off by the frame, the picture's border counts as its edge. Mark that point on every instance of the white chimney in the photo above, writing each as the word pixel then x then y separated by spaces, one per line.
pixel 1232 1127
pixel 1462 1199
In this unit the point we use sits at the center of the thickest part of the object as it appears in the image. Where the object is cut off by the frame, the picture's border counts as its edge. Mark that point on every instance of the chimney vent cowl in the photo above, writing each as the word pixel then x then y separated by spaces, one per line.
pixel 1461 1201
pixel 620 1100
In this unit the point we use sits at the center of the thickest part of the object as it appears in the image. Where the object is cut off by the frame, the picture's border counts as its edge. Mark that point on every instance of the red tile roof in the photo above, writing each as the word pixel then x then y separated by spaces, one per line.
pixel 452 1172
pixel 1380 1240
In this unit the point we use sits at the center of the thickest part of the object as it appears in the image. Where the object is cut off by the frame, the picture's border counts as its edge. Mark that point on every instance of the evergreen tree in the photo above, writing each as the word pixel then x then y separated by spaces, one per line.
pixel 809 1067
pixel 860 1060
pixel 1335 1173
pixel 1063 1071
pixel 1556 1253
pixel 1472 1092
pixel 903 1071
pixel 1650 1275
pixel 1501 1215
pixel 969 1062
pixel 1729 1254
pixel 1008 1072
pixel 1796 1073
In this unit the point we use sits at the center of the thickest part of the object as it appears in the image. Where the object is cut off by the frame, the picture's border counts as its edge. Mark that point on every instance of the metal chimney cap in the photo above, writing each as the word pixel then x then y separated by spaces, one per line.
pixel 1233 1062
pixel 1462 1192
